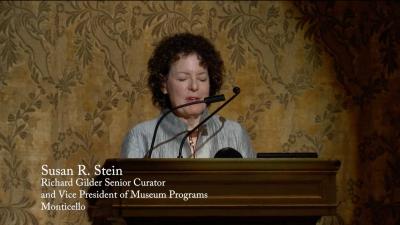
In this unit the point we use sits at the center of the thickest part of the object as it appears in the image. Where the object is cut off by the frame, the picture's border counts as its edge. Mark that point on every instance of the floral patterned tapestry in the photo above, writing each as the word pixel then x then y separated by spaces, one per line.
pixel 315 77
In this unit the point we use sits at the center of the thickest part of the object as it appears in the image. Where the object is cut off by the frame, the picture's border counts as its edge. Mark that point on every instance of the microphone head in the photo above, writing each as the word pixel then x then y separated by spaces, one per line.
pixel 215 98
pixel 228 152
pixel 236 90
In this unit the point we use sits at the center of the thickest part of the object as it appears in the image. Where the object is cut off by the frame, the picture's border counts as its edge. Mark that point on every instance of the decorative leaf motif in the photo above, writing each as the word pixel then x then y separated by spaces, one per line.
pixel 68 80
pixel 237 57
pixel 3 138
pixel 53 99
pixel 241 25
pixel 44 7
pixel 5 26
pixel 120 8
pixel 73 16
pixel 251 118
pixel 81 27
pixel 167 21
pixel 197 11
pixel 11 118
pixel 313 55
pixel 18 213
pixel 8 52
pixel 84 51
pixel 20 128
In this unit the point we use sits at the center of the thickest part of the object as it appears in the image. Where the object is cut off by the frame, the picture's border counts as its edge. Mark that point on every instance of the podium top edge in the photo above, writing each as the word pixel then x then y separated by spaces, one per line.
pixel 225 164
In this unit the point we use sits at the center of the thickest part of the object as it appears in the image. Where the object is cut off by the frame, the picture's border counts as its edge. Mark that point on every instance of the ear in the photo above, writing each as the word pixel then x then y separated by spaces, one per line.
pixel 164 87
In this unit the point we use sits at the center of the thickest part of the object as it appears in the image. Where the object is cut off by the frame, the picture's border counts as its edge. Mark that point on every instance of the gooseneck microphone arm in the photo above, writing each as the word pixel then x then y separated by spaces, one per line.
pixel 208 100
pixel 236 91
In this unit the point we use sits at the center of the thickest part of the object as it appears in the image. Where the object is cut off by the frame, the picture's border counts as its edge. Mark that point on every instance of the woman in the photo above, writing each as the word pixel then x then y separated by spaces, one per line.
pixel 182 69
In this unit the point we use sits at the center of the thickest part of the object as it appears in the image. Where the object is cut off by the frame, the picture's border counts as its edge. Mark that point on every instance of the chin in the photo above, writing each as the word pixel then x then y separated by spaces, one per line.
pixel 193 112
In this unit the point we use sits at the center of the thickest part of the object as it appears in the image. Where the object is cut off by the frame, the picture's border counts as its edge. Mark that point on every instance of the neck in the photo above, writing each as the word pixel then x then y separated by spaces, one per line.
pixel 191 122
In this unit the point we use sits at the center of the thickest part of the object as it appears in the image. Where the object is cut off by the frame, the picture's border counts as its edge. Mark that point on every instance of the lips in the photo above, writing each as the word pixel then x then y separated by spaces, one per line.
pixel 192 99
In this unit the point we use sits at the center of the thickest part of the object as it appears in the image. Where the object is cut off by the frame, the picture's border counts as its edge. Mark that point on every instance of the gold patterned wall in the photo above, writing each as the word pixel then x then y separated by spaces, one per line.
pixel 319 77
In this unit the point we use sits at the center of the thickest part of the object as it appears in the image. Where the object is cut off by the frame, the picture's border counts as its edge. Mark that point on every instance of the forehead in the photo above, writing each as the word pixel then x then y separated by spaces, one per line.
pixel 188 59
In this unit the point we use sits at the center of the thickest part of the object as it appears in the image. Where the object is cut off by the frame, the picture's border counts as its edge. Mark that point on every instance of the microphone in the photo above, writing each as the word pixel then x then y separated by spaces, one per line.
pixel 207 100
pixel 228 152
pixel 236 91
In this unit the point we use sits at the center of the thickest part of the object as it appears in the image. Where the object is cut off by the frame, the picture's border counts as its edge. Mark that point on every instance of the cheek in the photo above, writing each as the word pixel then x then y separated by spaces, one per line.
pixel 176 93
pixel 178 89
pixel 206 88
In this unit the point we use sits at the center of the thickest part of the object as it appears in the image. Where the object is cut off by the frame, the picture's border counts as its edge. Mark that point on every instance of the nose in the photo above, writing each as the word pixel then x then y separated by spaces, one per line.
pixel 193 86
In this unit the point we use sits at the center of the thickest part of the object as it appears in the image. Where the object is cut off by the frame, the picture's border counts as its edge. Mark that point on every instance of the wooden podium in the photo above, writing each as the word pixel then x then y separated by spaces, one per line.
pixel 224 191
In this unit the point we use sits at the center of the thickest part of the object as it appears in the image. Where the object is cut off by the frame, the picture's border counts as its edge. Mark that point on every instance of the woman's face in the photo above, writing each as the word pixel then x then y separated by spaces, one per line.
pixel 187 81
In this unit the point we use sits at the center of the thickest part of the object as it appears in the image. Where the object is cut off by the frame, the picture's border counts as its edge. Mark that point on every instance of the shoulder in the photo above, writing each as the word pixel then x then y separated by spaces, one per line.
pixel 143 127
pixel 136 140
pixel 235 135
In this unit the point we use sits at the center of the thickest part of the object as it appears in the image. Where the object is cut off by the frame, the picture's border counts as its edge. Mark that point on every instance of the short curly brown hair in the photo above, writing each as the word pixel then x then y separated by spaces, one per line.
pixel 169 50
